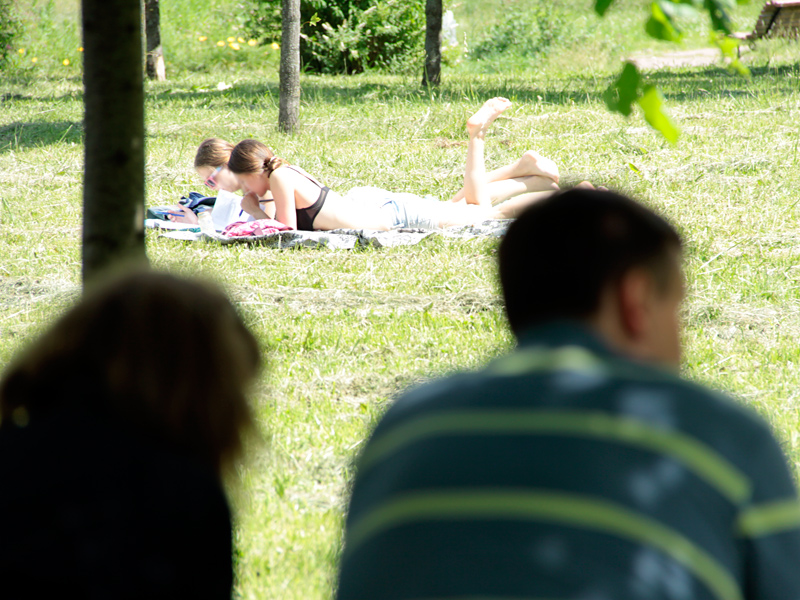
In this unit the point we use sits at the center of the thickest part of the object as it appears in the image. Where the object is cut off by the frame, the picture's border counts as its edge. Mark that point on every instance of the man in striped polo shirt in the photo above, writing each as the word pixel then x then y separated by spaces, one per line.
pixel 579 465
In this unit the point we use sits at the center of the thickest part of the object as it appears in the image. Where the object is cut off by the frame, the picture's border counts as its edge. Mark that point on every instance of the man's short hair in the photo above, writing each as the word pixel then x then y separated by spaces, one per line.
pixel 561 253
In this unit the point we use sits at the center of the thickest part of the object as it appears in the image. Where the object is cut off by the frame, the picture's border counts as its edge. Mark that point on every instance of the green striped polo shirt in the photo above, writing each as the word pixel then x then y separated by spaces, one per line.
pixel 563 470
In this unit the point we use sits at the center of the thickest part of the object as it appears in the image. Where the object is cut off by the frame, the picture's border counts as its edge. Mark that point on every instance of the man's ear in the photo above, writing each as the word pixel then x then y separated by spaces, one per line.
pixel 633 294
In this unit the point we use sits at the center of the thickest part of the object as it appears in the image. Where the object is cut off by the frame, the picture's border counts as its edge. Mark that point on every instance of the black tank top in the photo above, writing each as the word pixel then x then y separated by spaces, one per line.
pixel 306 216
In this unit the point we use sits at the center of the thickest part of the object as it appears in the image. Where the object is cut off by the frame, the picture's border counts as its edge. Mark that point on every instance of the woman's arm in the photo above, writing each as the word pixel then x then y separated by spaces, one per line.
pixel 282 185
pixel 250 205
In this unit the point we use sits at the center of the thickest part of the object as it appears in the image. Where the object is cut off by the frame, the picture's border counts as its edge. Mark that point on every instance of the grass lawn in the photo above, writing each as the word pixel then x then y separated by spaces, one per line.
pixel 345 331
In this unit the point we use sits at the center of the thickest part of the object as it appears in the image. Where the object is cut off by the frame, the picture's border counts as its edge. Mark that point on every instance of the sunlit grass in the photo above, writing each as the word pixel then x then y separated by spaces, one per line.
pixel 346 331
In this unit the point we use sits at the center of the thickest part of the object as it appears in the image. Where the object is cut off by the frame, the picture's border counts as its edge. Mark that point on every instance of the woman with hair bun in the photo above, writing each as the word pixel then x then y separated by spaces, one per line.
pixel 211 164
pixel 302 202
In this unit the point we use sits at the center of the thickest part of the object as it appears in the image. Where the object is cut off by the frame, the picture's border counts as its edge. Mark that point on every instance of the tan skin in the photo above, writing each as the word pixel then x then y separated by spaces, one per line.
pixel 640 319
pixel 499 194
pixel 293 191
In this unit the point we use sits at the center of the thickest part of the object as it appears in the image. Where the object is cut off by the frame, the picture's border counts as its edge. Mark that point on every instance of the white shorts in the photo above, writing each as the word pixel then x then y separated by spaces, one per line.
pixel 405 210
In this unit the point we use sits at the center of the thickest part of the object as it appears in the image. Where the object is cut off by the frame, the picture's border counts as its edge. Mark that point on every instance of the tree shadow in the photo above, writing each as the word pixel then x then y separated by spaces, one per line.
pixel 350 92
pixel 719 82
pixel 33 134
pixel 677 84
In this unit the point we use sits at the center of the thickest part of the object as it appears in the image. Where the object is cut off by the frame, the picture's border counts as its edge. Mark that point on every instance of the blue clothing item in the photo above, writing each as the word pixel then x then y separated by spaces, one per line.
pixel 563 470
pixel 196 199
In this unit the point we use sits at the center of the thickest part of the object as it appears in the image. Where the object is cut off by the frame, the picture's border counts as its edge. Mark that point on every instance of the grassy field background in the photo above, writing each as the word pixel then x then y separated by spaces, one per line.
pixel 345 331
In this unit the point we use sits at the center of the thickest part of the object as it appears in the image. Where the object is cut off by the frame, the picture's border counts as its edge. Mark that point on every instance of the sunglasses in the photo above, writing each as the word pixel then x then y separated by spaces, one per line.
pixel 211 180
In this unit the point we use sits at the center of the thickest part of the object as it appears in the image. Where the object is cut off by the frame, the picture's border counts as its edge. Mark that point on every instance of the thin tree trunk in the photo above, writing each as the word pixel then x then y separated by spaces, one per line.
pixel 113 184
pixel 156 68
pixel 432 75
pixel 290 66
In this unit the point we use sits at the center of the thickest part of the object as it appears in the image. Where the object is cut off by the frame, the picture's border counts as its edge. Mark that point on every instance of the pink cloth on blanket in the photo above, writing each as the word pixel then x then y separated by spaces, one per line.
pixel 258 227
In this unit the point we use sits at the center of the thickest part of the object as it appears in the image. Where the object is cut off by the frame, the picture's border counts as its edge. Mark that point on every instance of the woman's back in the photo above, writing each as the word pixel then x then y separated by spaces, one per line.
pixel 90 508
pixel 113 445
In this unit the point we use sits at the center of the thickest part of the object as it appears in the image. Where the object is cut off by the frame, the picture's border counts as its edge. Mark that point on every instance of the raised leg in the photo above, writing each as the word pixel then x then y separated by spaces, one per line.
pixel 475 182
pixel 530 165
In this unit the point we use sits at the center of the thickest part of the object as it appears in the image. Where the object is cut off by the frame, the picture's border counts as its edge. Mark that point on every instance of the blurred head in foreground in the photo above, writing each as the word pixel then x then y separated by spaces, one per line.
pixel 598 257
pixel 166 357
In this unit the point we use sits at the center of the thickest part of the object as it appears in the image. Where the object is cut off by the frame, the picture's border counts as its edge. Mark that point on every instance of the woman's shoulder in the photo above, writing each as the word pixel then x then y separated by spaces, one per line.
pixel 293 172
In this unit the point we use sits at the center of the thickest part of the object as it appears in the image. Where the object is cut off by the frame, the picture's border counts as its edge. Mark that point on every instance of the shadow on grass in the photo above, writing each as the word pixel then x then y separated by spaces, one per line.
pixel 719 82
pixel 677 84
pixel 35 134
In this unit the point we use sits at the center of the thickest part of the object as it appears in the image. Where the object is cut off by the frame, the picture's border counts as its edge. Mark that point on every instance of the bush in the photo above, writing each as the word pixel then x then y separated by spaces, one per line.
pixel 10 28
pixel 527 28
pixel 348 36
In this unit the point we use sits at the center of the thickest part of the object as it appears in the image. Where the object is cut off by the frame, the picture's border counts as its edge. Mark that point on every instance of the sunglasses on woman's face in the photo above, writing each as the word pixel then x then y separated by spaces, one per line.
pixel 211 180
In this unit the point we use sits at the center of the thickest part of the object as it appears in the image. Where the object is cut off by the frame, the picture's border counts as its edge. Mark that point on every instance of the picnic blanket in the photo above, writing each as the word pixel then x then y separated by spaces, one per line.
pixel 345 239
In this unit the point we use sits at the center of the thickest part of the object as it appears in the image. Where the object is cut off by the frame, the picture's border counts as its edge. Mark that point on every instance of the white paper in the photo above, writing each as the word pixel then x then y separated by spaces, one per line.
pixel 228 209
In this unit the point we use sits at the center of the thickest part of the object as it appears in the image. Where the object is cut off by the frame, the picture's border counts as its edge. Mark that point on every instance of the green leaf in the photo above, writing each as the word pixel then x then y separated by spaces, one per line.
pixel 621 94
pixel 660 26
pixel 314 19
pixel 686 9
pixel 601 6
pixel 728 47
pixel 652 104
pixel 718 13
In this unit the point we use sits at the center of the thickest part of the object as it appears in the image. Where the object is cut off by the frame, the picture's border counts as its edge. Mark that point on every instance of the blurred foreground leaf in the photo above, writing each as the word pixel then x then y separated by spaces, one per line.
pixel 621 95
pixel 627 90
pixel 601 6
pixel 652 104
pixel 661 25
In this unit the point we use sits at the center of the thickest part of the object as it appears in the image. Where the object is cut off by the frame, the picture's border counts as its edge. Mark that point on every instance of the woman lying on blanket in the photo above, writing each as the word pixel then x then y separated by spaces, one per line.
pixel 211 164
pixel 302 202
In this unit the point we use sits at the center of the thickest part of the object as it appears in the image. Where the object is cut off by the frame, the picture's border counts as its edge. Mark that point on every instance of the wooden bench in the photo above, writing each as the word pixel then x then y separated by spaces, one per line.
pixel 778 18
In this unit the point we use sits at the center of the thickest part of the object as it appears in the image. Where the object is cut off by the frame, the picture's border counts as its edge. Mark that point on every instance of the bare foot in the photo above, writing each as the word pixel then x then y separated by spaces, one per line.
pixel 479 123
pixel 533 163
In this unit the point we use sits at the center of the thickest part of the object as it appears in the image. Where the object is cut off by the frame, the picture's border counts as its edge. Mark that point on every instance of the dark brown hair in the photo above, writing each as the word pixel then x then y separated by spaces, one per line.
pixel 251 156
pixel 164 356
pixel 560 254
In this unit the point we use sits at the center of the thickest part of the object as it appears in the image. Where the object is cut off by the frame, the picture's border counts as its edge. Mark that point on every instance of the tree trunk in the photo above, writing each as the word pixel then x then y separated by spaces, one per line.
pixel 155 54
pixel 290 66
pixel 432 75
pixel 113 184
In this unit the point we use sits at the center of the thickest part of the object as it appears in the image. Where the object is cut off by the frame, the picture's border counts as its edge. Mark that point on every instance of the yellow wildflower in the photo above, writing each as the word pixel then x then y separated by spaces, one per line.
pixel 220 43
pixel 34 59
pixel 240 40
pixel 80 48
pixel 231 39
pixel 235 46
pixel 21 50
pixel 65 62
pixel 275 45
pixel 202 38
pixel 251 42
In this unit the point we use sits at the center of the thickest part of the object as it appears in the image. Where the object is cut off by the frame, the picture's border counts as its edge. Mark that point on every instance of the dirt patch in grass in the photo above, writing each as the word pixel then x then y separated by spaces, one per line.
pixel 702 57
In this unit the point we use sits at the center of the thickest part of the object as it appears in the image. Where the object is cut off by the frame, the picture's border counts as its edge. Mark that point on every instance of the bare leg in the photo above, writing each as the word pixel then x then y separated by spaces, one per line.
pixel 475 182
pixel 511 209
pixel 504 189
pixel 530 164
